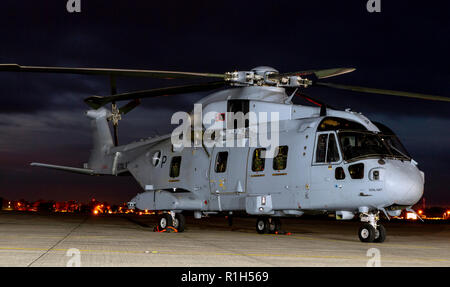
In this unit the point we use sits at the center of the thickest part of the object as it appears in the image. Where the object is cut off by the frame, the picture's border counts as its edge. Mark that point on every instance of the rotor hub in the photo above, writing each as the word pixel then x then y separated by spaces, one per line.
pixel 265 76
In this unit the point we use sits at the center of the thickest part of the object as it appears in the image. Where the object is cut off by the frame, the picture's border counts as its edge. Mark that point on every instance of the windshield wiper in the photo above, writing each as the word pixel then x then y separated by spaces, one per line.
pixel 404 155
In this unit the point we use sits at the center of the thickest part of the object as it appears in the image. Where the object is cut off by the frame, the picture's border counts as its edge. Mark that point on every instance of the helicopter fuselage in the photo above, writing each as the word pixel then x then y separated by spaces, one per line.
pixel 311 172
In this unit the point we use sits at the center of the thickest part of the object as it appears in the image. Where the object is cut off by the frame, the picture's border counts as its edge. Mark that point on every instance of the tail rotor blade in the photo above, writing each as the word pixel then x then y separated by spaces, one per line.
pixel 130 106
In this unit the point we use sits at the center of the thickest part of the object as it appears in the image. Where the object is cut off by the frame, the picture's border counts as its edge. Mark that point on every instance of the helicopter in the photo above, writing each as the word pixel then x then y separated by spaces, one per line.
pixel 325 160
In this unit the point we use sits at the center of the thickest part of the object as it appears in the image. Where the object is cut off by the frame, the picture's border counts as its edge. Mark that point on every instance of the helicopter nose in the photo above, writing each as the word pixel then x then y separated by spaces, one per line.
pixel 405 183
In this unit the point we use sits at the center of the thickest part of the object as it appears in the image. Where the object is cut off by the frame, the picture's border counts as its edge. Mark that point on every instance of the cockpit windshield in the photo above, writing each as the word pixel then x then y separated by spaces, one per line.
pixel 392 141
pixel 395 145
pixel 356 144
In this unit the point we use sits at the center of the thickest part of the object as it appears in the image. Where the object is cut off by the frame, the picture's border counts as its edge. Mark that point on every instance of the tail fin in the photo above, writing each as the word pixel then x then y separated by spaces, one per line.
pixel 102 141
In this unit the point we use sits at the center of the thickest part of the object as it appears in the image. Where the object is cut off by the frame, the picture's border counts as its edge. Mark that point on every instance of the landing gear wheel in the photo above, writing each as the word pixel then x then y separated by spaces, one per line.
pixel 165 220
pixel 262 225
pixel 380 234
pixel 180 222
pixel 274 225
pixel 366 233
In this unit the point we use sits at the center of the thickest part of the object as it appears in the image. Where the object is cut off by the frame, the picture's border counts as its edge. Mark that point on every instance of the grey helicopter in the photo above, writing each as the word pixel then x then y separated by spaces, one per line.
pixel 325 160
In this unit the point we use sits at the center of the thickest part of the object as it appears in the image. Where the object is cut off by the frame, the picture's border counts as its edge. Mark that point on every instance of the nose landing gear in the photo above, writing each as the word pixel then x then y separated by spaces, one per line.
pixel 371 231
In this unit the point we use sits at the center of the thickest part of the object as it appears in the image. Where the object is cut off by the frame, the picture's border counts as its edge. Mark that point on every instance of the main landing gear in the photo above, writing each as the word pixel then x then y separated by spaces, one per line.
pixel 371 231
pixel 267 224
pixel 177 221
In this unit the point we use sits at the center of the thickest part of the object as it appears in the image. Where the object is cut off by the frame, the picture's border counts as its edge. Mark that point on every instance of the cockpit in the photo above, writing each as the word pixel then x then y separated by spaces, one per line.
pixel 356 142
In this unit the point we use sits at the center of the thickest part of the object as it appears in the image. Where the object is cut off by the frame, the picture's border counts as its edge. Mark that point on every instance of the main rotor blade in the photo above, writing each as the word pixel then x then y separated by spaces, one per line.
pixel 130 106
pixel 109 72
pixel 97 102
pixel 320 74
pixel 384 92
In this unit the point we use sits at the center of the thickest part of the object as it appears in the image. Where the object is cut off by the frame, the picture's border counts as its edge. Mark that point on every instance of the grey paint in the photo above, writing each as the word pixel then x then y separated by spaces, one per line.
pixel 302 187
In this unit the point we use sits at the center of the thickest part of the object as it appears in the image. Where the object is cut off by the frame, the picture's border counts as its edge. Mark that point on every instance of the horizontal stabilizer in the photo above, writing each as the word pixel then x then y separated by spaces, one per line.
pixel 66 168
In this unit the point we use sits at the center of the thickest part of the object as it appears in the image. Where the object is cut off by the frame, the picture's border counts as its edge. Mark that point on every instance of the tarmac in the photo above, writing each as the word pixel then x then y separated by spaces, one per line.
pixel 58 240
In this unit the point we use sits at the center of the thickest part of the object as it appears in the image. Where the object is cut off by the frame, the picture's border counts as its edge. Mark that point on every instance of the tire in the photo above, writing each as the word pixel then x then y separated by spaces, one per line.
pixel 274 225
pixel 165 221
pixel 262 225
pixel 380 234
pixel 366 233
pixel 179 222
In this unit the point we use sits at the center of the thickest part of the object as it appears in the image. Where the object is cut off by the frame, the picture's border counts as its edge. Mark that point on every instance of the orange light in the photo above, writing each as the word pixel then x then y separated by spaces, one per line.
pixel 411 215
pixel 448 211
pixel 95 212
pixel 420 211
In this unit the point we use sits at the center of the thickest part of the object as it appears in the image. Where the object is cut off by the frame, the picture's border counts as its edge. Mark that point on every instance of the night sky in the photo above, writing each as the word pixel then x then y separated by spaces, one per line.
pixel 405 47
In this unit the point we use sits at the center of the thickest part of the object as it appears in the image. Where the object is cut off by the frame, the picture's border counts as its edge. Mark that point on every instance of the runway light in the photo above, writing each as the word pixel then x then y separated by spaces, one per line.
pixel 411 215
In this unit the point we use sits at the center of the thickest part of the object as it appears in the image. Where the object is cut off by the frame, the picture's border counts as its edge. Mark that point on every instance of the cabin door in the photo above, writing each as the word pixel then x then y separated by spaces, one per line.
pixel 228 168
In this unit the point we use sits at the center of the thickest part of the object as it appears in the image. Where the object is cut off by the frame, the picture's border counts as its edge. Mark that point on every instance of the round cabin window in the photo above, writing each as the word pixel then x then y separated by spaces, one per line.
pixel 156 158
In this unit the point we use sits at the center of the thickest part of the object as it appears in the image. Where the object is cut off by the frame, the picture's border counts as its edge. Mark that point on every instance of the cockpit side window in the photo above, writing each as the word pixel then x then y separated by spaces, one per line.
pixel 327 148
pixel 332 151
pixel 321 149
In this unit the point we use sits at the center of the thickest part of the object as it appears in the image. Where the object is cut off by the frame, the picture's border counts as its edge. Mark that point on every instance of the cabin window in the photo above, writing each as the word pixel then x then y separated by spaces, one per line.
pixel 356 171
pixel 339 173
pixel 221 162
pixel 280 161
pixel 175 166
pixel 258 159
